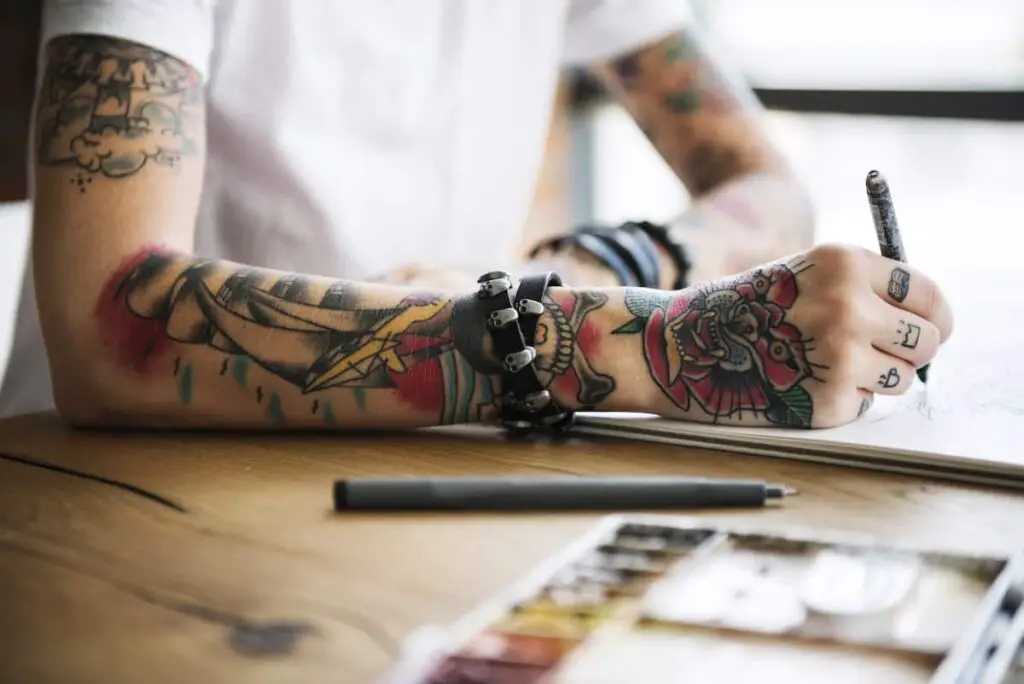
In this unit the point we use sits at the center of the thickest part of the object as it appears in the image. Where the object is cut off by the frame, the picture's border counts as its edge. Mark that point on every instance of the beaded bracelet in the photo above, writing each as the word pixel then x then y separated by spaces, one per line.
pixel 512 323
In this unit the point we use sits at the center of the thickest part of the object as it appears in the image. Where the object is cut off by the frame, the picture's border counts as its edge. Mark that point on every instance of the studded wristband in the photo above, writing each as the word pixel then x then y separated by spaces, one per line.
pixel 512 324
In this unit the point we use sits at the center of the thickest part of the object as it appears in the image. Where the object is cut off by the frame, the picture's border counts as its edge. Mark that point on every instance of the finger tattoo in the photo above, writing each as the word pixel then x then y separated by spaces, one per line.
pixel 910 335
pixel 899 284
pixel 865 404
pixel 890 379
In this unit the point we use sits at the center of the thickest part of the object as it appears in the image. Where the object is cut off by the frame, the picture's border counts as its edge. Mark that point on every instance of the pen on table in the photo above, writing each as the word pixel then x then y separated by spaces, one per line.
pixel 551 493
pixel 890 241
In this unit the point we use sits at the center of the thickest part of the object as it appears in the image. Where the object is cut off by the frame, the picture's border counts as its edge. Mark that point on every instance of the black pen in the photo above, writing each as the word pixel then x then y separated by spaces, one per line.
pixel 551 493
pixel 890 241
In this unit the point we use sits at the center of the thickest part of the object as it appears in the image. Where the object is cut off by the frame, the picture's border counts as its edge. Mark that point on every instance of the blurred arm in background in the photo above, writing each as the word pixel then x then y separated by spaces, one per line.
pixel 748 205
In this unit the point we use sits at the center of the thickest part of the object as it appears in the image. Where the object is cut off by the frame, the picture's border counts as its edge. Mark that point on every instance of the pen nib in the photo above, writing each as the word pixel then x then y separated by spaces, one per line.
pixel 780 491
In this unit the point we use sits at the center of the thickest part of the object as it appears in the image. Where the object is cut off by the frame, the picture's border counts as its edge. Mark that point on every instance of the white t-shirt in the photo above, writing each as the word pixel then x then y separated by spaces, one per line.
pixel 350 137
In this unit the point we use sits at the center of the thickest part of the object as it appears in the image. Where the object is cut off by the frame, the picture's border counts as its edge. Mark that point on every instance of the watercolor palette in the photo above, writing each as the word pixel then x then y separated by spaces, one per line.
pixel 663 599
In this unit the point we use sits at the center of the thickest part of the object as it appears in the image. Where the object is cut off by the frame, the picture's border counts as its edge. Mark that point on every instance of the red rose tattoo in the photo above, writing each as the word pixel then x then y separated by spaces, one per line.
pixel 728 347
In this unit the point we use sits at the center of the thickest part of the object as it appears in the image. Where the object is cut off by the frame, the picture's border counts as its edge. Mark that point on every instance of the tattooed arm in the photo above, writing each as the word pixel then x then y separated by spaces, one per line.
pixel 119 151
pixel 156 336
pixel 143 335
pixel 180 341
pixel 748 206
pixel 188 341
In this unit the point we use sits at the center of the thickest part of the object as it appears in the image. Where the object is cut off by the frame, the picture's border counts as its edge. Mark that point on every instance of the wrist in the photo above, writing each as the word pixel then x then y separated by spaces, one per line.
pixel 608 368
pixel 585 348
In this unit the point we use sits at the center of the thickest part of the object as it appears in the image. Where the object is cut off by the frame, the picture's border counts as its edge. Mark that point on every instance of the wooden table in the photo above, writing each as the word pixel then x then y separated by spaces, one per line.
pixel 146 557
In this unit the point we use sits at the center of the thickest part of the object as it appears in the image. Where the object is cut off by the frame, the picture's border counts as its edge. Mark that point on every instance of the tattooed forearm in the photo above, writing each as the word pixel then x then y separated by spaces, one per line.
pixel 698 119
pixel 300 346
pixel 727 348
pixel 109 108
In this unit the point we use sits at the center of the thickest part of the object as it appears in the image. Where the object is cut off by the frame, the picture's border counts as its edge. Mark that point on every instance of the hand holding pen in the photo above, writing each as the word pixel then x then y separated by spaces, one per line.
pixel 890 242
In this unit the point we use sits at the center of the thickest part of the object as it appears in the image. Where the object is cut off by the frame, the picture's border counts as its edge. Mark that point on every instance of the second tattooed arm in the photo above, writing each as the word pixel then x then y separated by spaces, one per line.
pixel 748 206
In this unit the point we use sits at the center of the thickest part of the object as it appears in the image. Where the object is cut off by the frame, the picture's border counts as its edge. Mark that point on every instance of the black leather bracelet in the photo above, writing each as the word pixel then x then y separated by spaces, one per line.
pixel 642 250
pixel 512 324
pixel 595 246
pixel 627 250
pixel 642 265
pixel 676 252
pixel 609 256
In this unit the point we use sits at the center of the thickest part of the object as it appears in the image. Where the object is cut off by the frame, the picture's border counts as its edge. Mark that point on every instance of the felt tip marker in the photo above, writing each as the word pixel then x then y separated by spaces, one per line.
pixel 890 240
pixel 551 493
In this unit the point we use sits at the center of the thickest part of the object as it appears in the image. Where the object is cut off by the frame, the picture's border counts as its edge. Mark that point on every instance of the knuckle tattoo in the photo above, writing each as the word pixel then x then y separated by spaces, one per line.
pixel 889 379
pixel 899 284
pixel 908 335
pixel 865 405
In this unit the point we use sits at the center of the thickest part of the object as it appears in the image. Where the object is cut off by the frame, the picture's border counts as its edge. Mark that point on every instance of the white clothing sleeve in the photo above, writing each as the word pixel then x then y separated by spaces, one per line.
pixel 602 29
pixel 181 28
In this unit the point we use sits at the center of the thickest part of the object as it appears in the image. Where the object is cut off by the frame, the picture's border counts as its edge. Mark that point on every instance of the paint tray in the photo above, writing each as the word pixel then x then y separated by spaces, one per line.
pixel 667 599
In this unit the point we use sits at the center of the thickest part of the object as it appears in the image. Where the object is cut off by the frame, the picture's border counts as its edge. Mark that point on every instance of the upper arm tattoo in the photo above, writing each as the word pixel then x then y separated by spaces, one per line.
pixel 700 121
pixel 110 107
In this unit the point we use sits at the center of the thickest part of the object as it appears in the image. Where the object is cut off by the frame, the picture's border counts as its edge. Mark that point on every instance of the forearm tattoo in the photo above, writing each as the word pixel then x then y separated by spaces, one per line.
pixel 727 349
pixel 109 108
pixel 428 350
pixel 699 120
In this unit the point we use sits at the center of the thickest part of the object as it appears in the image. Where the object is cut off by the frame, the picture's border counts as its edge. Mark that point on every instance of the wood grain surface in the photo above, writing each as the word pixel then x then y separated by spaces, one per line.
pixel 201 557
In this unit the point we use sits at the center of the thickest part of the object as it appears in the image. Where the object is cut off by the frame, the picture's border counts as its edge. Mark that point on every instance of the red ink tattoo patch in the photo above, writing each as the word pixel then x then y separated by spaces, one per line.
pixel 420 386
pixel 574 340
pixel 137 342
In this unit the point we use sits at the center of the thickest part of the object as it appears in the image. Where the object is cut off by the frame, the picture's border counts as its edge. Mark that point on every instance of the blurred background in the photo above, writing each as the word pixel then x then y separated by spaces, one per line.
pixel 931 92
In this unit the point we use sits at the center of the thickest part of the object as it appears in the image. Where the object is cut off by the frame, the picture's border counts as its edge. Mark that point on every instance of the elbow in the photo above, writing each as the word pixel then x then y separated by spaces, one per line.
pixel 94 386
pixel 87 345
pixel 85 392
pixel 101 353
pixel 81 400
pixel 79 416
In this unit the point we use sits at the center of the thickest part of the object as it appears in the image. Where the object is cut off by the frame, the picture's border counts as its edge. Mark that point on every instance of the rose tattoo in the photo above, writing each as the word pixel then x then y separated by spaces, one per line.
pixel 728 346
